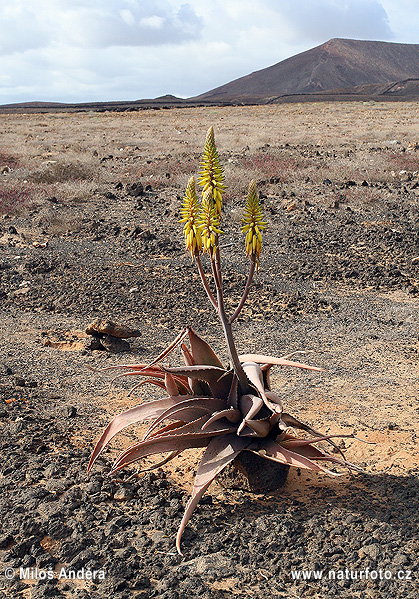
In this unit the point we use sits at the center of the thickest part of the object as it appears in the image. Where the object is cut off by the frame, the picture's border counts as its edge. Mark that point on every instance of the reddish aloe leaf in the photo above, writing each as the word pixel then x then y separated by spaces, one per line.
pixel 167 459
pixel 146 382
pixel 187 356
pixel 170 384
pixel 187 410
pixel 260 427
pixel 274 451
pixel 255 376
pixel 183 437
pixel 233 397
pixel 202 353
pixel 170 347
pixel 260 359
pixel 219 453
pixel 230 414
pixel 314 453
pixel 218 379
pixel 295 442
pixel 250 405
pixel 203 373
pixel 291 421
pixel 194 384
pixel 139 413
pixel 161 445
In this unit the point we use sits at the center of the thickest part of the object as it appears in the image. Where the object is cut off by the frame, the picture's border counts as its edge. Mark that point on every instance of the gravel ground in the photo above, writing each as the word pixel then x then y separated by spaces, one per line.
pixel 339 281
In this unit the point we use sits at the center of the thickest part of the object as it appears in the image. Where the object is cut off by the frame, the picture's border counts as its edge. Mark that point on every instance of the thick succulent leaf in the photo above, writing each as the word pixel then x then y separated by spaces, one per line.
pixel 274 397
pixel 219 453
pixel 198 387
pixel 233 396
pixel 187 356
pixel 260 428
pixel 187 410
pixel 162 445
pixel 255 375
pixel 250 405
pixel 191 432
pixel 218 379
pixel 157 374
pixel 146 411
pixel 170 384
pixel 147 382
pixel 293 442
pixel 272 450
pixel 222 386
pixel 202 353
pixel 196 371
pixel 230 414
pixel 170 347
pixel 167 459
pixel 291 421
pixel 314 453
pixel 271 360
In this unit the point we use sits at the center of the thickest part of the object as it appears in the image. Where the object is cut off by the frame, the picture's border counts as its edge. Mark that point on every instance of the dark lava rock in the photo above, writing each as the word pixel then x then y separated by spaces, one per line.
pixel 115 345
pixel 135 190
pixel 254 473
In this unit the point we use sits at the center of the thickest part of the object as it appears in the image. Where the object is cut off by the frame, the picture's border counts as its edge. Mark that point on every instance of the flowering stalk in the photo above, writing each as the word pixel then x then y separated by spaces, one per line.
pixel 202 231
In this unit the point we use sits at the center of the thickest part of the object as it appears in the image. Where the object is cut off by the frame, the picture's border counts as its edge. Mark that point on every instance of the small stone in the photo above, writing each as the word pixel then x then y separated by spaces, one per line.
pixel 405 176
pixel 108 327
pixel 135 190
pixel 69 411
pixel 292 206
pixel 123 494
pixel 93 343
pixel 372 551
pixel 115 345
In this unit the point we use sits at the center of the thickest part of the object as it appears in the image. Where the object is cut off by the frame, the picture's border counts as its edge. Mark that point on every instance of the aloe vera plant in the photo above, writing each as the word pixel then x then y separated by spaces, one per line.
pixel 225 409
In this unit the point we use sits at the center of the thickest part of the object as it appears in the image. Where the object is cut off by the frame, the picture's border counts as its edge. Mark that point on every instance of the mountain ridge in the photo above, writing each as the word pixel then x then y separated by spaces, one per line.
pixel 337 64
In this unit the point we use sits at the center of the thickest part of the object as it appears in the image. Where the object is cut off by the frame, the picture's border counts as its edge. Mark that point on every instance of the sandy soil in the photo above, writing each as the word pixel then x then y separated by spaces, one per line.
pixel 89 230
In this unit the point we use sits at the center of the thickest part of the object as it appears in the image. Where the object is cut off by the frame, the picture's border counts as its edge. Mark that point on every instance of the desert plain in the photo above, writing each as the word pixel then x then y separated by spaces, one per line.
pixel 89 211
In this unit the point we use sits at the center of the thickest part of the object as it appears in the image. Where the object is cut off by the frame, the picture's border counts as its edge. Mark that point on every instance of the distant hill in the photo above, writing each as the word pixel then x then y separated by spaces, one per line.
pixel 339 70
pixel 167 101
pixel 336 65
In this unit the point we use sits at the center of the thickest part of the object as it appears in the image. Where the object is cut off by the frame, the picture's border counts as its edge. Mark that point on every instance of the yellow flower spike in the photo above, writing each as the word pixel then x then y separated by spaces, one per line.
pixel 253 223
pixel 190 212
pixel 208 222
pixel 211 174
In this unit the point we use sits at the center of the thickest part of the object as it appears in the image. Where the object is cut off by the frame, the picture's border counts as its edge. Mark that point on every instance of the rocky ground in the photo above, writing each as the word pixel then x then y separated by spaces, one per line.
pixel 339 277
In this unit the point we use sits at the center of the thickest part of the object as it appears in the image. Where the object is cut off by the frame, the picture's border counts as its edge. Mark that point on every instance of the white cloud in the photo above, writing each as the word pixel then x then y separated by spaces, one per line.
pixel 81 50
pixel 94 24
pixel 359 19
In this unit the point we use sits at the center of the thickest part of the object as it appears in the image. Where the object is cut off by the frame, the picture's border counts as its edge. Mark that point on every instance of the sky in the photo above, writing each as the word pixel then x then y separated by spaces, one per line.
pixel 99 50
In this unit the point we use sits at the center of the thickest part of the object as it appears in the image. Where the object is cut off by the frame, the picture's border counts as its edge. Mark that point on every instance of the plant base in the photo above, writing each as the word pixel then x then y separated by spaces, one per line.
pixel 250 472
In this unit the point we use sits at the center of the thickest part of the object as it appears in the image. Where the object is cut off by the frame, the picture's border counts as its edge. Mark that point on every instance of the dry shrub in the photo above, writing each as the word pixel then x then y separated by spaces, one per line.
pixel 17 196
pixel 402 161
pixel 75 192
pixel 56 172
pixel 9 160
